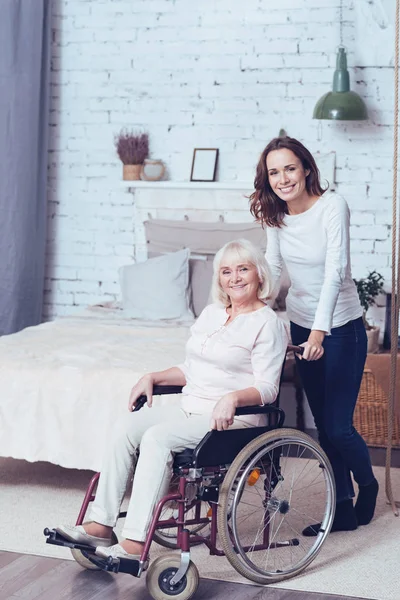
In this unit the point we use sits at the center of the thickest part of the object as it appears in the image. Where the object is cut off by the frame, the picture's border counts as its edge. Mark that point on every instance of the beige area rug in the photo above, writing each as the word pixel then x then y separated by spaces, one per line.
pixel 364 563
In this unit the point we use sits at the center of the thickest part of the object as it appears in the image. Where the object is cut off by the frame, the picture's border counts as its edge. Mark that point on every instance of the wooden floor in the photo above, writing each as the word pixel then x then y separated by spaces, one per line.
pixel 24 577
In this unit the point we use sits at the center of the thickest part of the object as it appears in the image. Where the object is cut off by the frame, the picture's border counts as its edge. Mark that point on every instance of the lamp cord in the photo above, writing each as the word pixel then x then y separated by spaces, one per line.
pixel 395 280
pixel 341 22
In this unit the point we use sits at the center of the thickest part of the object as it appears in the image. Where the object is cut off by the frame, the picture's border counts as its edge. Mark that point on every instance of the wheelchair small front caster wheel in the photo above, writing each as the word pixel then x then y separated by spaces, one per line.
pixel 160 573
pixel 84 562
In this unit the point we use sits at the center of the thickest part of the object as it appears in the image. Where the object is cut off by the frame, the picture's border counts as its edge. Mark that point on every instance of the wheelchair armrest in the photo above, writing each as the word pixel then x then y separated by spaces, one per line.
pixel 266 409
pixel 256 410
pixel 158 390
pixel 218 447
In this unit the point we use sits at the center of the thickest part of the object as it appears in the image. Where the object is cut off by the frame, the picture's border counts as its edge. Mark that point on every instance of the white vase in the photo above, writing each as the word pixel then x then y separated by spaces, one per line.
pixel 152 170
pixel 373 339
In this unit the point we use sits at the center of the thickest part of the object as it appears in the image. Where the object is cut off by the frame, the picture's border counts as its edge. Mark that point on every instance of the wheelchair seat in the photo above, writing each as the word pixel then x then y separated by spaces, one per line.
pixel 184 458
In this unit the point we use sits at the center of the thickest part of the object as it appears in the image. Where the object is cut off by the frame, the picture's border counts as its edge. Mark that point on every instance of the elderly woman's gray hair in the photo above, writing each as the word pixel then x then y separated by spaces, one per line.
pixel 244 250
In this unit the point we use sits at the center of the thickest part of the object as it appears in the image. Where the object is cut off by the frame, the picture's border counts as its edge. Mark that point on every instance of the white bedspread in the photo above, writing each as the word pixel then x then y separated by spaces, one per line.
pixel 64 383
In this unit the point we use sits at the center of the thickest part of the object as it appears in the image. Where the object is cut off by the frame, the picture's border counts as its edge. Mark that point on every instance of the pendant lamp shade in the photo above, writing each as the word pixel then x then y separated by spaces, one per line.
pixel 341 104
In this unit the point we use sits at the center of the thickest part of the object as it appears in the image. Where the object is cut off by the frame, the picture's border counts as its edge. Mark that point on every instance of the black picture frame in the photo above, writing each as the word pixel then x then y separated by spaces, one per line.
pixel 204 164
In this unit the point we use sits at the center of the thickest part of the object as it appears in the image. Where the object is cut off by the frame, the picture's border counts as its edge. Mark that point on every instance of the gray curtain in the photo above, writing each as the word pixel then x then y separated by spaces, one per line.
pixel 24 103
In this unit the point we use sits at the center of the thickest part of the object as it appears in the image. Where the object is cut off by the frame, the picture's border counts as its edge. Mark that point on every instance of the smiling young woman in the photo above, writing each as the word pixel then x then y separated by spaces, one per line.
pixel 289 158
pixel 308 230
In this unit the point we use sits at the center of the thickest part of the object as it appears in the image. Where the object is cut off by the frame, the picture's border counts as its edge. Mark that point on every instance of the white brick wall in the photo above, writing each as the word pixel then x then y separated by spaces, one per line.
pixel 221 74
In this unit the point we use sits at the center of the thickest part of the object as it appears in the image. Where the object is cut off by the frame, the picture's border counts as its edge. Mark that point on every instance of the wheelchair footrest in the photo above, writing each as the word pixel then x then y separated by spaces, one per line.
pixel 115 565
pixel 55 538
pixel 123 565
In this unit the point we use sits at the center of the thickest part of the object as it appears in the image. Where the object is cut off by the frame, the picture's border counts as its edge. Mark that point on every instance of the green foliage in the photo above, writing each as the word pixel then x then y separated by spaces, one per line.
pixel 369 288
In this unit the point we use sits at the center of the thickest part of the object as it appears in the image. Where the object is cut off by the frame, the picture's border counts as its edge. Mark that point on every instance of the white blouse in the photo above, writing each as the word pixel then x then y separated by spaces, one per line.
pixel 247 352
pixel 315 247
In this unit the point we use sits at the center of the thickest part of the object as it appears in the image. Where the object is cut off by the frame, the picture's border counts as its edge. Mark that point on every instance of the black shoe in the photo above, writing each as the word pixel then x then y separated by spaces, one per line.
pixel 345 520
pixel 312 530
pixel 366 502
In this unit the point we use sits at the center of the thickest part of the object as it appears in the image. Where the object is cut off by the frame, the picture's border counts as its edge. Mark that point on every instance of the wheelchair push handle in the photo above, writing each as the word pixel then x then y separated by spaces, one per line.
pixel 295 349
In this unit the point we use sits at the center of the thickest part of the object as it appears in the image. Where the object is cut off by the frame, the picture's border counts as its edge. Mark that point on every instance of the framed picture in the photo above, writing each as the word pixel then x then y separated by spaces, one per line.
pixel 204 164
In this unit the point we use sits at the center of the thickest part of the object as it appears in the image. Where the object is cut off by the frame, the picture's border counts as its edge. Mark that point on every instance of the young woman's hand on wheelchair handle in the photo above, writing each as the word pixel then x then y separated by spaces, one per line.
pixel 143 387
pixel 313 348
pixel 224 412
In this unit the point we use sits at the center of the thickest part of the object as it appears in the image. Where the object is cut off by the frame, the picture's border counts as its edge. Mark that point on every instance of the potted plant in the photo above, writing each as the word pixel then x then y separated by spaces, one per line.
pixel 132 149
pixel 368 289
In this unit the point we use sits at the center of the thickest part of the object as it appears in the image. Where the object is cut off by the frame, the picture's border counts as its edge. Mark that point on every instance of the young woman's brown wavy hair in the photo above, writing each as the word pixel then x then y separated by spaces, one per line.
pixel 265 205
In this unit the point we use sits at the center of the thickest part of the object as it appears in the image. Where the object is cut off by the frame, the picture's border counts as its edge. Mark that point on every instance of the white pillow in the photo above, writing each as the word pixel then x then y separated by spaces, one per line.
pixel 157 288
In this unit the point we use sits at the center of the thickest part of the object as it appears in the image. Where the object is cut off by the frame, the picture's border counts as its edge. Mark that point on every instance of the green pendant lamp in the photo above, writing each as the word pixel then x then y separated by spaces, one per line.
pixel 341 104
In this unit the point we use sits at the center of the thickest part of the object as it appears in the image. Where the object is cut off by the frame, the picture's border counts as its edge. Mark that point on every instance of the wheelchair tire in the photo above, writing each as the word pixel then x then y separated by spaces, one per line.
pixel 159 573
pixel 84 562
pixel 260 524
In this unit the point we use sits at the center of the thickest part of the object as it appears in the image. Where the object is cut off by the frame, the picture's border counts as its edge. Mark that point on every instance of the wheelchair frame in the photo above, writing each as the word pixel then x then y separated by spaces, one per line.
pixel 193 467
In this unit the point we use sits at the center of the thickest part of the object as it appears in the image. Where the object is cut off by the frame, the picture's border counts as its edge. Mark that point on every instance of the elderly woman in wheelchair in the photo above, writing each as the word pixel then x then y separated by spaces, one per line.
pixel 224 445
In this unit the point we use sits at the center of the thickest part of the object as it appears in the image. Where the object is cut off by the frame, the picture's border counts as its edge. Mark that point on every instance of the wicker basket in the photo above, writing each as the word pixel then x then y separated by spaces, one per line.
pixel 371 413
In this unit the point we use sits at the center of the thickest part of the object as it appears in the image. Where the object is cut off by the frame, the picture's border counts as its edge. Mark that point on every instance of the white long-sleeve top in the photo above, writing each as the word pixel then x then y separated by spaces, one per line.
pixel 248 352
pixel 315 247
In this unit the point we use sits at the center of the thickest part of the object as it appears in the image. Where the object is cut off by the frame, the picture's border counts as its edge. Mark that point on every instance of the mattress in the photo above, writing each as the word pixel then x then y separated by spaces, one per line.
pixel 63 384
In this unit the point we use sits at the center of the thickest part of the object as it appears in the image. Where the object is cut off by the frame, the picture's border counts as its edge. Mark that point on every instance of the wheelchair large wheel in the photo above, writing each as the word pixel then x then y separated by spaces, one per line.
pixel 280 483
pixel 160 573
pixel 167 537
pixel 84 562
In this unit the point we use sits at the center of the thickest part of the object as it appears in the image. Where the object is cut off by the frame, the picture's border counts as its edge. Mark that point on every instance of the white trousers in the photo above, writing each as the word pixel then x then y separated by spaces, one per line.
pixel 159 431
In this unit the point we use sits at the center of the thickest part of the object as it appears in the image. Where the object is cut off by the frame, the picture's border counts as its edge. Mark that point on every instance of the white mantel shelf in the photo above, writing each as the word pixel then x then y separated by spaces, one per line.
pixel 194 185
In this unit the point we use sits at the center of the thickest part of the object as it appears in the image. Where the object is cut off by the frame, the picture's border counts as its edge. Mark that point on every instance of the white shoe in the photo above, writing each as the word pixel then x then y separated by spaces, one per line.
pixel 117 551
pixel 76 533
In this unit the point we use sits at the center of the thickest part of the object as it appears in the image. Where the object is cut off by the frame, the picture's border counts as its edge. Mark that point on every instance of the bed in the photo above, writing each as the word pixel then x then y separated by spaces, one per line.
pixel 64 383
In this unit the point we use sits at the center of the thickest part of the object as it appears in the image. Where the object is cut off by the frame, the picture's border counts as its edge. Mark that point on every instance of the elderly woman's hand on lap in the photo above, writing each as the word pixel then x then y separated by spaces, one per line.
pixel 224 412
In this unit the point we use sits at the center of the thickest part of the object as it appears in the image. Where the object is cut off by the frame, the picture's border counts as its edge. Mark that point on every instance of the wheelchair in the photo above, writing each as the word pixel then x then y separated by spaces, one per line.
pixel 244 493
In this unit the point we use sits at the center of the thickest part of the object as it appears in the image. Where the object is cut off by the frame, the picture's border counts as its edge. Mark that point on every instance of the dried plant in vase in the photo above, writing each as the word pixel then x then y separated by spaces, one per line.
pixel 132 149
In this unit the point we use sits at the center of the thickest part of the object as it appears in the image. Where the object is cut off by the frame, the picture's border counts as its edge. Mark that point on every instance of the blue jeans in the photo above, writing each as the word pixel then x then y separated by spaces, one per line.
pixel 332 384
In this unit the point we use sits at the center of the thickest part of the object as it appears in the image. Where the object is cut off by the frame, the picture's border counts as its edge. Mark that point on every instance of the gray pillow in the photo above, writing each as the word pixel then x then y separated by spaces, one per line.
pixel 279 300
pixel 163 235
pixel 157 288
pixel 201 272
